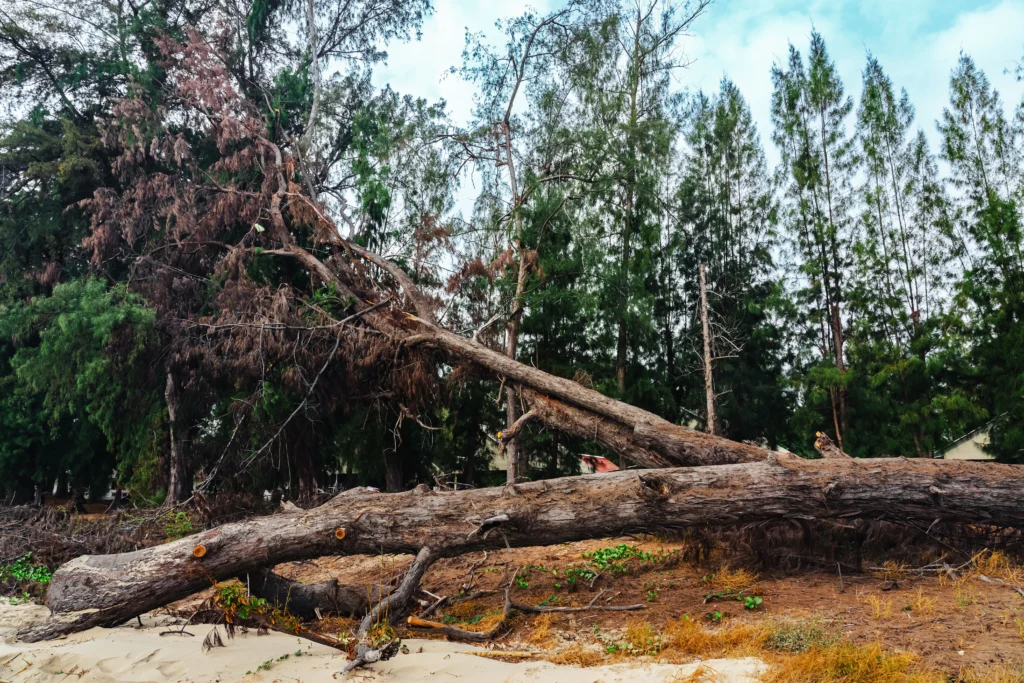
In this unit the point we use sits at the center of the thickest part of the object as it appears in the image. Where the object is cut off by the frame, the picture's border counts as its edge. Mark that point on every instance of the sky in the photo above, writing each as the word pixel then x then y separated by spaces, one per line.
pixel 916 41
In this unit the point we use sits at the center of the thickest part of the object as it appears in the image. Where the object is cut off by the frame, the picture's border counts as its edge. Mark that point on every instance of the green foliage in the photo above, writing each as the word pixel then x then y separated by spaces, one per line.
pixel 622 558
pixel 178 525
pixel 863 288
pixel 236 602
pixel 79 395
pixel 22 570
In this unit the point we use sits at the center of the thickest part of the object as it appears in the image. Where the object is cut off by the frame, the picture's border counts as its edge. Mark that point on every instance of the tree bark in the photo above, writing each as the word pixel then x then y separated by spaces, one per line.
pixel 584 404
pixel 303 600
pixel 105 590
pixel 837 336
pixel 711 421
pixel 394 479
pixel 179 487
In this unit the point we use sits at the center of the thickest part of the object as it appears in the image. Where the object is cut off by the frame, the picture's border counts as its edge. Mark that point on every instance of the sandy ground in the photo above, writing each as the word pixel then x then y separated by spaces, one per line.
pixel 130 654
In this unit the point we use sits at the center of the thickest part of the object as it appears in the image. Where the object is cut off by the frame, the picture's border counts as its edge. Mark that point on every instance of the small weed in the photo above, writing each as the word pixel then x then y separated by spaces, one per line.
pixel 25 597
pixel 752 602
pixel 178 525
pixel 799 636
pixel 578 575
pixel 236 602
pixel 922 605
pixel 880 608
pixel 964 595
pixel 23 570
pixel 622 558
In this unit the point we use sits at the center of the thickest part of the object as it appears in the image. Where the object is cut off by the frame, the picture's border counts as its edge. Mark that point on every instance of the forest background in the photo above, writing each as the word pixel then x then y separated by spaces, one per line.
pixel 867 282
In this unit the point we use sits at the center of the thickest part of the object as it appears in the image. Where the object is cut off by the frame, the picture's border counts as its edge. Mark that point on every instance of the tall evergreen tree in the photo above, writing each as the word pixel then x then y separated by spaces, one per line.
pixel 727 213
pixel 906 390
pixel 983 154
pixel 809 113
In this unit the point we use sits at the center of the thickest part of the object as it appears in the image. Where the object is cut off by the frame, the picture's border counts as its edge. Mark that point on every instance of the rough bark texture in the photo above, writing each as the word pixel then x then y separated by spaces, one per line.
pixel 179 487
pixel 110 589
pixel 711 420
pixel 304 599
pixel 584 404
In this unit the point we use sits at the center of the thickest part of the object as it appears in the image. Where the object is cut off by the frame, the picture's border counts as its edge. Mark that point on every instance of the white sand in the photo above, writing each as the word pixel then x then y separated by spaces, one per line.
pixel 129 654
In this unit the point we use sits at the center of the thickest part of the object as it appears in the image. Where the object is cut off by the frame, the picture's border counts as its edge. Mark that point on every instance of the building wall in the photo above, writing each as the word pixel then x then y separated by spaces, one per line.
pixel 970 449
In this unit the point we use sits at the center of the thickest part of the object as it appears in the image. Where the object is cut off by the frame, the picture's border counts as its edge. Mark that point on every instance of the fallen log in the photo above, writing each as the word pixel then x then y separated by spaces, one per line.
pixel 310 600
pixel 106 590
pixel 636 434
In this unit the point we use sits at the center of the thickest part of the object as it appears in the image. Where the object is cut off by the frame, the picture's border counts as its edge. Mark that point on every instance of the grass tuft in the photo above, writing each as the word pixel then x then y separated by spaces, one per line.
pixel 800 636
pixel 733 580
pixel 684 637
pixel 577 655
pixel 848 663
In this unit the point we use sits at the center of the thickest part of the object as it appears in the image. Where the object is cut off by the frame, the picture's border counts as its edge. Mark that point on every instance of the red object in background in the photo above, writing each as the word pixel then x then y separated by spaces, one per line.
pixel 596 463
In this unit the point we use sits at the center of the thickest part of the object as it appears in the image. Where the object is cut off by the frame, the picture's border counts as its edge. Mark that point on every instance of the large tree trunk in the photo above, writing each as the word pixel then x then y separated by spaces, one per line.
pixel 179 487
pixel 585 404
pixel 105 590
pixel 711 420
pixel 304 600
pixel 394 479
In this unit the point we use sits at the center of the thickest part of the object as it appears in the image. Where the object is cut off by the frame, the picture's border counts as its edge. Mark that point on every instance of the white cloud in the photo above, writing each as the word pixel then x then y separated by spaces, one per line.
pixel 917 42
pixel 421 67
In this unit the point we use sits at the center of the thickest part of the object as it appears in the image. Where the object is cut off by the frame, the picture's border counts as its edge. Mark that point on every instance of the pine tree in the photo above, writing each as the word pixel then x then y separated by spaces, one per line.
pixel 902 284
pixel 983 153
pixel 727 214
pixel 809 113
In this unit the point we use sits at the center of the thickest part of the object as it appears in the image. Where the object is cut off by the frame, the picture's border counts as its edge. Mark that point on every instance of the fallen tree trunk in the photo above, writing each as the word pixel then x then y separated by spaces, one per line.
pixel 305 600
pixel 579 409
pixel 105 590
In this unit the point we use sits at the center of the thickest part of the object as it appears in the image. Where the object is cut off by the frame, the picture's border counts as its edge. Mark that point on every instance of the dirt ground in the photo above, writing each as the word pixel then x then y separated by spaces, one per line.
pixel 974 622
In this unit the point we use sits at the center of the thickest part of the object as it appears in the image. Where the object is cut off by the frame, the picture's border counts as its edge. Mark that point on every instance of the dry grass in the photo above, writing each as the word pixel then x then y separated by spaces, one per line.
pixel 640 638
pixel 702 674
pixel 996 674
pixel 577 655
pixel 541 633
pixel 801 635
pixel 735 580
pixel 485 624
pixel 341 628
pixel 922 605
pixel 685 638
pixel 997 565
pixel 893 571
pixel 880 607
pixel 848 663
pixel 465 610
